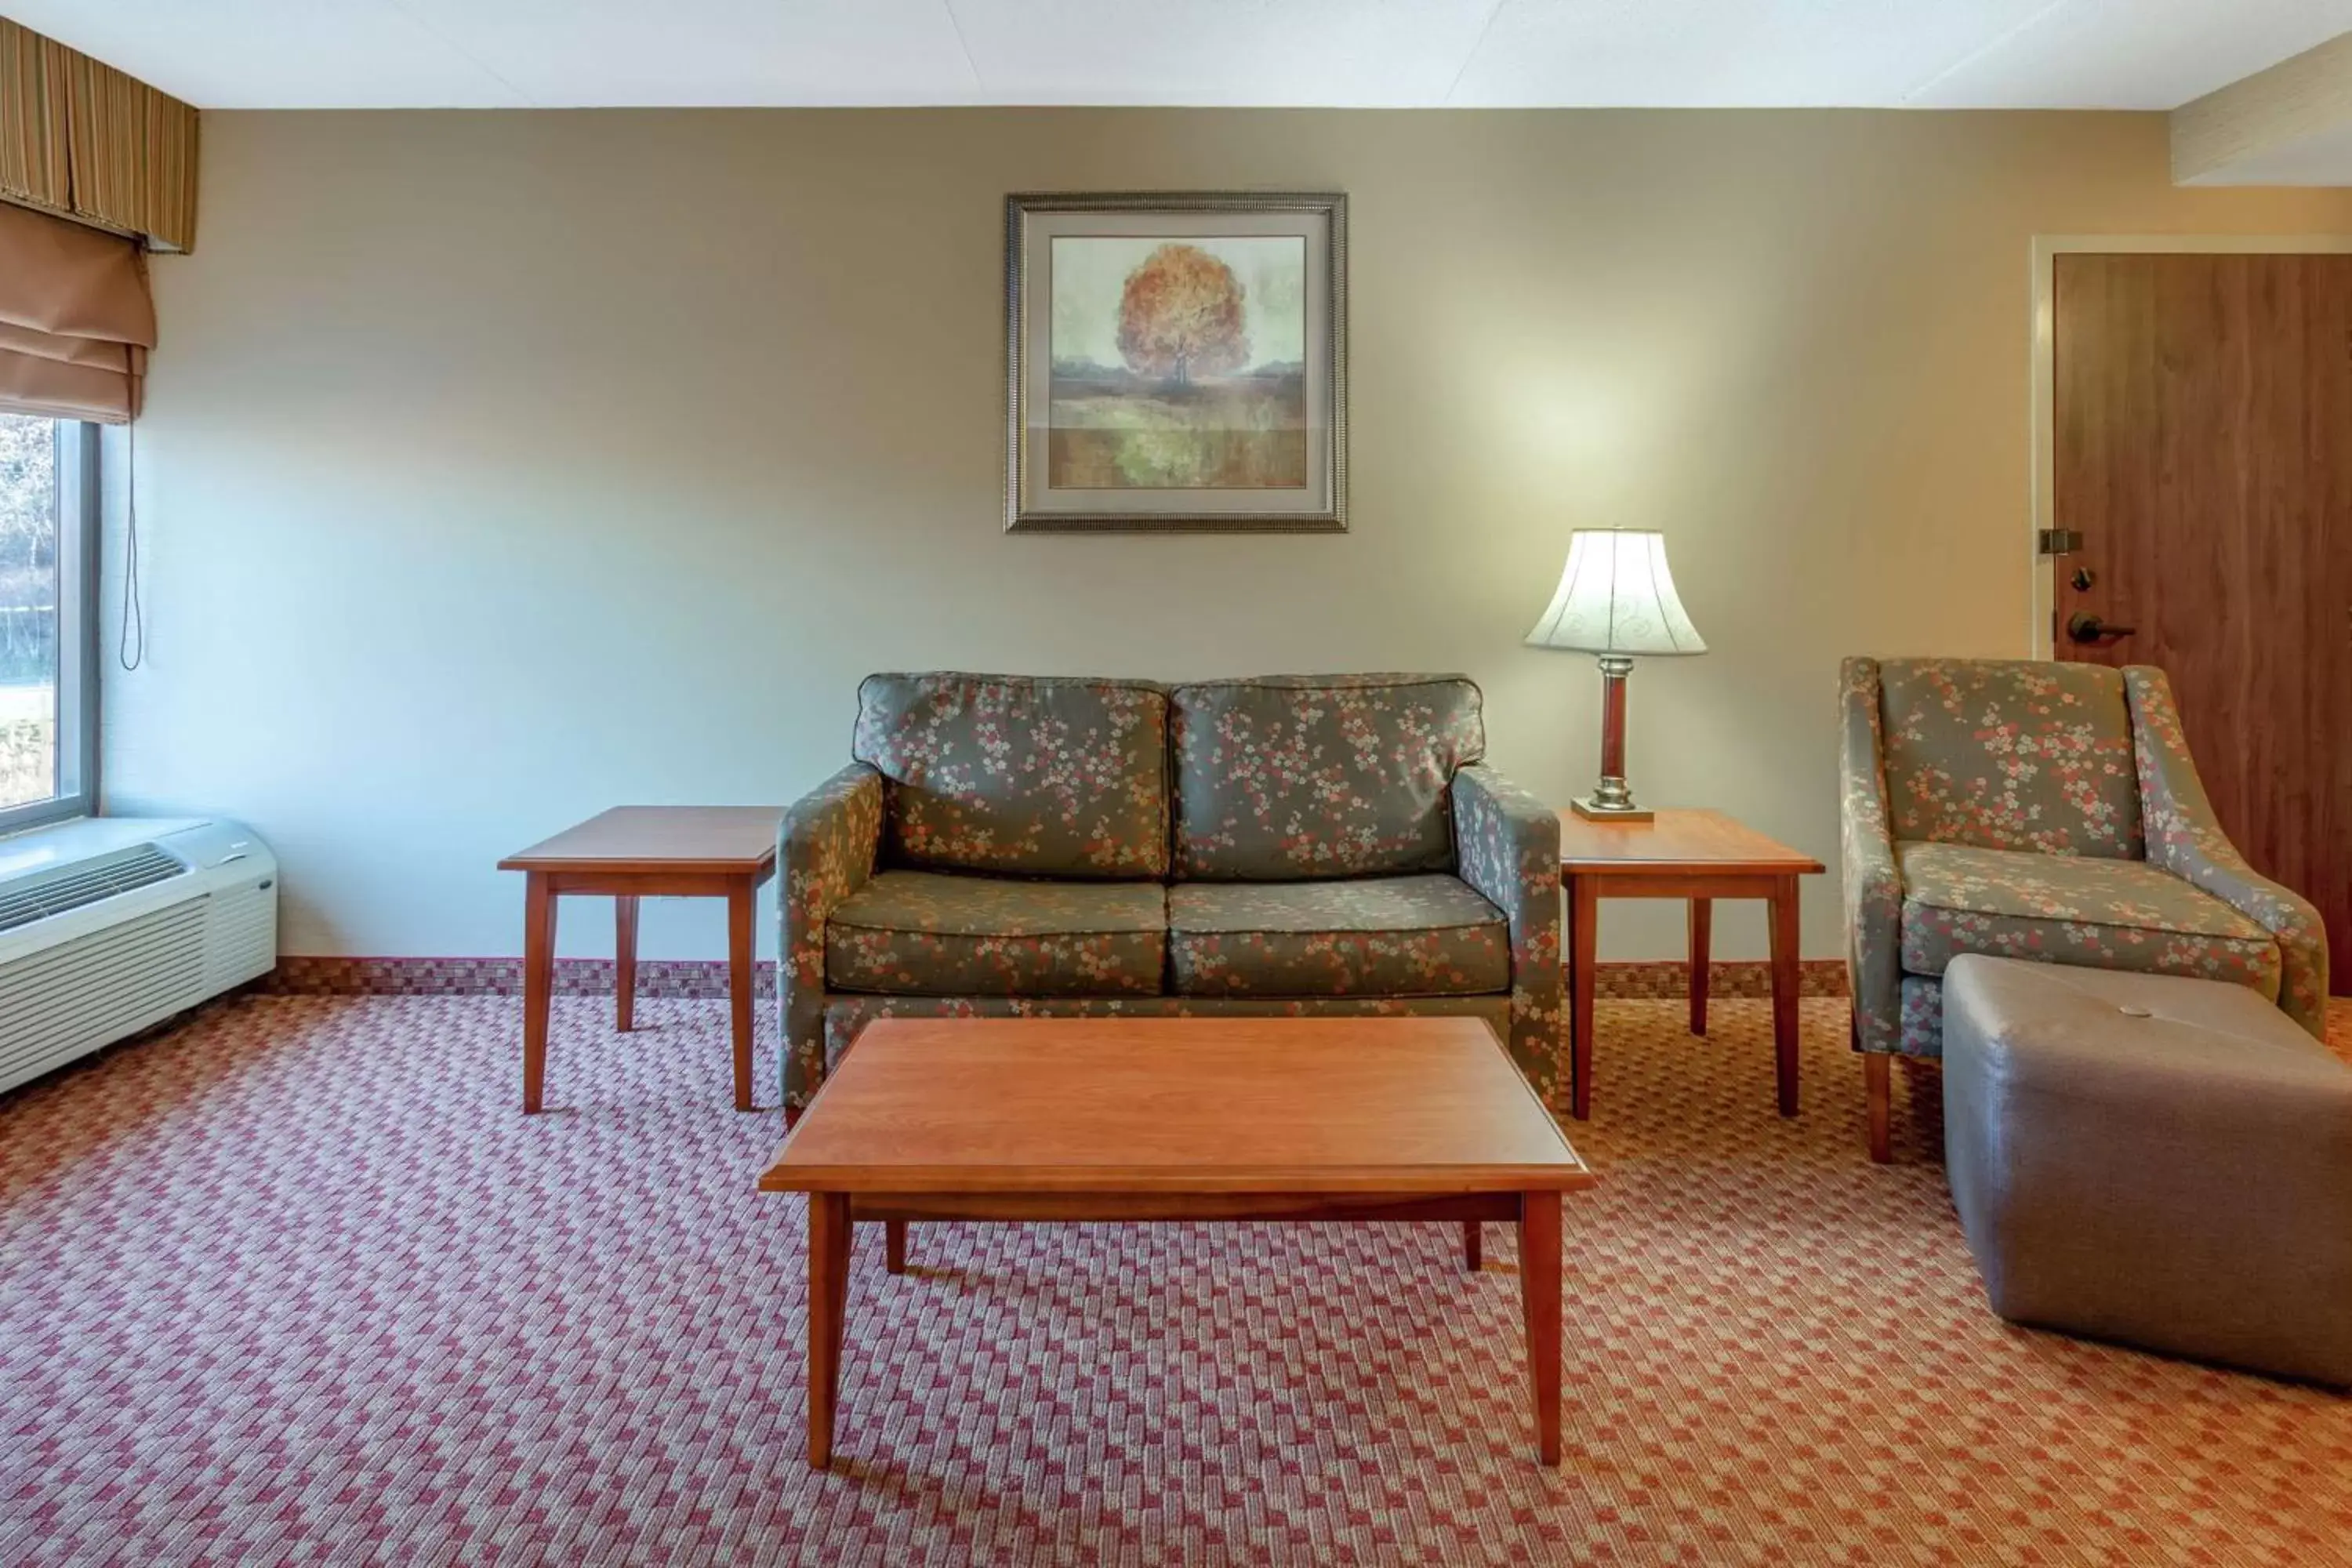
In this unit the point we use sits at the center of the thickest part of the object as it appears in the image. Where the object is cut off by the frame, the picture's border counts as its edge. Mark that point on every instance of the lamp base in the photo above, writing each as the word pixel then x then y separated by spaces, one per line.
pixel 1594 810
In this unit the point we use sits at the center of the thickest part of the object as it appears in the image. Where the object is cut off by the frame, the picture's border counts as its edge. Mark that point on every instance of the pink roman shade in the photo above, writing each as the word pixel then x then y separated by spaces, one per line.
pixel 76 319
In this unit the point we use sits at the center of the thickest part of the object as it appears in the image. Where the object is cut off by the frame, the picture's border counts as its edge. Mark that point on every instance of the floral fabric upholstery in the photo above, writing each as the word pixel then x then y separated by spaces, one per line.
pixel 2185 838
pixel 926 933
pixel 1507 844
pixel 1309 777
pixel 1003 847
pixel 2029 851
pixel 830 838
pixel 1872 885
pixel 1397 936
pixel 2009 754
pixel 847 1016
pixel 1036 776
pixel 2101 914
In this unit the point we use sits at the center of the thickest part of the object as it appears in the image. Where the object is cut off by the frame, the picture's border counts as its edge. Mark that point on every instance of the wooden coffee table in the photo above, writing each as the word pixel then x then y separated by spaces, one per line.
pixel 643 851
pixel 1177 1119
pixel 1696 854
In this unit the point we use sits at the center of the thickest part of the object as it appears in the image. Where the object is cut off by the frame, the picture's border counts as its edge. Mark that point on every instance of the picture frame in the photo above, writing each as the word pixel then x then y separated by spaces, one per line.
pixel 1176 362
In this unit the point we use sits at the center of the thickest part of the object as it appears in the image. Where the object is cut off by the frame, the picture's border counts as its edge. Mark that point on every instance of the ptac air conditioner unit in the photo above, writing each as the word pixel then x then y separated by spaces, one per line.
pixel 110 924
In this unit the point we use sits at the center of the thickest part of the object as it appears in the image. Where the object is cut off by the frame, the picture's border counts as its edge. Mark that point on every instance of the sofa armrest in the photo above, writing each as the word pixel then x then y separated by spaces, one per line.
pixel 2185 838
pixel 1871 884
pixel 1506 844
pixel 831 838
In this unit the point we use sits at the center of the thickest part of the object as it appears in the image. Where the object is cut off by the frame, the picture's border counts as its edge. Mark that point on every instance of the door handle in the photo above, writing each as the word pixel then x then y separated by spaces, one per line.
pixel 2088 630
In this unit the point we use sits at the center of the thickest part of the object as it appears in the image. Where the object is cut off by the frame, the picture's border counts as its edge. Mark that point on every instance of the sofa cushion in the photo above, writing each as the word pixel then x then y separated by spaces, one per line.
pixel 925 933
pixel 2063 909
pixel 1375 936
pixel 1315 776
pixel 2010 755
pixel 1042 776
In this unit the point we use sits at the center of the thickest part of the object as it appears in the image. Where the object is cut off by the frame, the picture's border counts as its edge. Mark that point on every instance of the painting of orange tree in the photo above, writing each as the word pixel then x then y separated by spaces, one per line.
pixel 1178 363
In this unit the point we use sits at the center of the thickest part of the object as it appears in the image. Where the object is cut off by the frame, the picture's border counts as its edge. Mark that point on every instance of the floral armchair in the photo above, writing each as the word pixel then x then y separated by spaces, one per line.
pixel 1291 845
pixel 2042 811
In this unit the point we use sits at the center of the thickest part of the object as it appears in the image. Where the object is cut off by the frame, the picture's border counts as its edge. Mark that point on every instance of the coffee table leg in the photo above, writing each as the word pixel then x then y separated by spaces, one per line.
pixel 538 986
pixel 1473 1245
pixel 829 1285
pixel 1540 1294
pixel 1784 989
pixel 741 900
pixel 1584 942
pixel 894 1245
pixel 1702 941
pixel 624 963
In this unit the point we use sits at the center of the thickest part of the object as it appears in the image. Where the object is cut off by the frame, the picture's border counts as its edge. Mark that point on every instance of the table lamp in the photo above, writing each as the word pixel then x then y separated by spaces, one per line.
pixel 1616 599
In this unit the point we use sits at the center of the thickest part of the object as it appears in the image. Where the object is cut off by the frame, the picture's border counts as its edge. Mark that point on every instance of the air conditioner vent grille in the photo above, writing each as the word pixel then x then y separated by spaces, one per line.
pixel 140 866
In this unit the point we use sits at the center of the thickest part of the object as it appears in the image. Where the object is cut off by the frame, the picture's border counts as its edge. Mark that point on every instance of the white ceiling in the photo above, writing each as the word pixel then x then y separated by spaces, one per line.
pixel 1928 54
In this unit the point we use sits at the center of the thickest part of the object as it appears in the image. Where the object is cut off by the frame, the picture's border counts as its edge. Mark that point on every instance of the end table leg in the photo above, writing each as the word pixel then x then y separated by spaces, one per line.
pixel 1701 943
pixel 741 903
pixel 1584 943
pixel 828 1215
pixel 894 1245
pixel 624 963
pixel 1785 985
pixel 1473 1245
pixel 537 986
pixel 1540 1293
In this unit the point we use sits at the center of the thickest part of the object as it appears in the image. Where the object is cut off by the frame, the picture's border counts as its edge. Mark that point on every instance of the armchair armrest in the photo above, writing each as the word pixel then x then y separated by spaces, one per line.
pixel 831 838
pixel 1506 843
pixel 2185 838
pixel 1872 885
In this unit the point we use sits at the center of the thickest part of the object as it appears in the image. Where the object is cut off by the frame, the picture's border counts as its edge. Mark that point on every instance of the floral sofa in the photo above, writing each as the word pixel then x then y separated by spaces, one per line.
pixel 1326 845
pixel 2039 811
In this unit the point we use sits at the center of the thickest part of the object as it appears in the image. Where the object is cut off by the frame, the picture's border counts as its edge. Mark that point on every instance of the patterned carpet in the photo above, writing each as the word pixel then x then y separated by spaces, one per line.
pixel 297 1283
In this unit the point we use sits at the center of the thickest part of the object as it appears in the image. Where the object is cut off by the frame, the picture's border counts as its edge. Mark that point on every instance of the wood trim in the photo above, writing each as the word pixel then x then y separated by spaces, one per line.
pixel 1116 1207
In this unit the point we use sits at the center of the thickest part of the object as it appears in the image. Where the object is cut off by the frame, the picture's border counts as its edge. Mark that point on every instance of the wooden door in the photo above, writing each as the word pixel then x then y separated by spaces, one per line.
pixel 2203 450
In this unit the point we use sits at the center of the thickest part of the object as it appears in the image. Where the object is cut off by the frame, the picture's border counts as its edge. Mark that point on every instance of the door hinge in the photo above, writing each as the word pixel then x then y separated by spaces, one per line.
pixel 2061 540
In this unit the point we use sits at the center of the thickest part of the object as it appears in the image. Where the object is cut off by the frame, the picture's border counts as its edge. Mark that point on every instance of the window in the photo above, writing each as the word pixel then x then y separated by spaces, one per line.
pixel 49 533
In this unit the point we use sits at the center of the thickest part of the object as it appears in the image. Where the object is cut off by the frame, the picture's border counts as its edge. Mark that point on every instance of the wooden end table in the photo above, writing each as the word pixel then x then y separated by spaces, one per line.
pixel 643 851
pixel 1698 855
pixel 1070 1119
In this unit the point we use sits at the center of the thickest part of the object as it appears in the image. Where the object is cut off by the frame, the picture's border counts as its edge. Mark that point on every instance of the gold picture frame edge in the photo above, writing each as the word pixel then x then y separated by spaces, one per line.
pixel 1331 204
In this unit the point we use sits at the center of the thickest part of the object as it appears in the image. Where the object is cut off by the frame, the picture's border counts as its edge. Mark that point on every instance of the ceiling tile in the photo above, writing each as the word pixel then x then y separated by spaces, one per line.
pixel 2134 54
pixel 1307 52
pixel 2143 54
pixel 272 54
pixel 591 52
pixel 1716 53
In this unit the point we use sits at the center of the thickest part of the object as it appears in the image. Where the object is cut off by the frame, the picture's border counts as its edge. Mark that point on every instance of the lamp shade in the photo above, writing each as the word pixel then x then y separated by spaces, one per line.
pixel 1616 596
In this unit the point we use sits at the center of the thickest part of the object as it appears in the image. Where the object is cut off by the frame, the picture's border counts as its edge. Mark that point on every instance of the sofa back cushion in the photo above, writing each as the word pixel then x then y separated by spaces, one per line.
pixel 2010 755
pixel 1039 776
pixel 1293 776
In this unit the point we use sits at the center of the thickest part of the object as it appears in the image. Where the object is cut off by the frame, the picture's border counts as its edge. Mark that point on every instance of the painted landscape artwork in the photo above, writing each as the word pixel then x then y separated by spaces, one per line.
pixel 1178 363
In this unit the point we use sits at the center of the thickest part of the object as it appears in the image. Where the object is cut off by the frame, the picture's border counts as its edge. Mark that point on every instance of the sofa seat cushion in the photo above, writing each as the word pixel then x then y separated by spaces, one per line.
pixel 1038 776
pixel 925 933
pixel 1374 936
pixel 1312 776
pixel 2064 908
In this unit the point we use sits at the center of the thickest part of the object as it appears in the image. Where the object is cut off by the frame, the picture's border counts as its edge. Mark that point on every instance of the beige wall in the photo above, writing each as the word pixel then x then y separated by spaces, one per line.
pixel 501 466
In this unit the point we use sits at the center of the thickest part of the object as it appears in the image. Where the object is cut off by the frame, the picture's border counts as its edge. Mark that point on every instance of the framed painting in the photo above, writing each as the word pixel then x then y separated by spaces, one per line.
pixel 1176 362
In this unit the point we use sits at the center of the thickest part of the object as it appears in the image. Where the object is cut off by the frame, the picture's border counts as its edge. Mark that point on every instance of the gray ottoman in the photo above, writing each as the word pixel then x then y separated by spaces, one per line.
pixel 2162 1162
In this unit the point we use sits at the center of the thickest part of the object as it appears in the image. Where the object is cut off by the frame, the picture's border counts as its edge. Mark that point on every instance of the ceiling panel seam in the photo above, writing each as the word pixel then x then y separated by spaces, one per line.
pixel 1981 50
